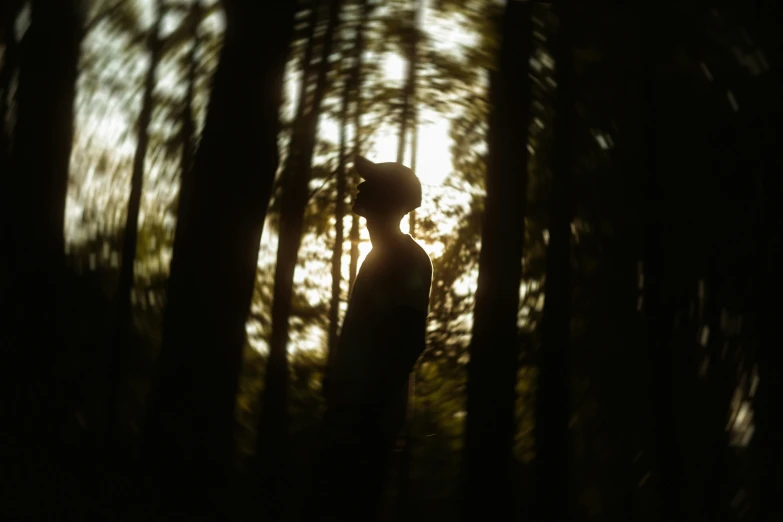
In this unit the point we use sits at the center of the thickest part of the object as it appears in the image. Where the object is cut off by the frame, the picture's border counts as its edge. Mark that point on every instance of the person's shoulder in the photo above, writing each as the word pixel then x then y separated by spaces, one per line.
pixel 417 255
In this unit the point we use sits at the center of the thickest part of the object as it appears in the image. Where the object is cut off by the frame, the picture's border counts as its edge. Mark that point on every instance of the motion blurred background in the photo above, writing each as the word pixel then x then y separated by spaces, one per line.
pixel 602 190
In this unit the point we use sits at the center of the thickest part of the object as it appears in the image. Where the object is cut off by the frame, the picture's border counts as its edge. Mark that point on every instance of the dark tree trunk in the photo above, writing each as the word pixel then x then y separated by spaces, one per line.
pixel 414 153
pixel 658 301
pixel 307 67
pixel 553 405
pixel 119 351
pixel 33 210
pixel 272 440
pixel 357 141
pixel 213 271
pixel 339 214
pixel 410 43
pixel 408 119
pixel 188 131
pixel 768 287
pixel 8 67
pixel 492 370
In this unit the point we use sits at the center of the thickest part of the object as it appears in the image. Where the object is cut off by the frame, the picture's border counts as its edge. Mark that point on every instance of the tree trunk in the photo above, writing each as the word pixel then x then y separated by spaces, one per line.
pixel 188 131
pixel 339 214
pixel 272 440
pixel 213 270
pixel 409 89
pixel 658 302
pixel 409 117
pixel 8 67
pixel 307 67
pixel 492 370
pixel 554 385
pixel 123 317
pixel 352 87
pixel 768 286
pixel 414 153
pixel 354 235
pixel 33 211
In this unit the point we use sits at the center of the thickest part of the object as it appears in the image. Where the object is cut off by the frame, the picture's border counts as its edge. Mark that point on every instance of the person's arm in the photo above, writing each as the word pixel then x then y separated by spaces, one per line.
pixel 407 327
pixel 409 343
pixel 403 346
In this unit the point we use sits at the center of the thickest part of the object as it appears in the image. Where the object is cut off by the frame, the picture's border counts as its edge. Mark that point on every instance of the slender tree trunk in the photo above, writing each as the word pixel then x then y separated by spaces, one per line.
pixel 354 235
pixel 272 440
pixel 213 271
pixel 408 90
pixel 307 67
pixel 339 214
pixel 352 86
pixel 489 432
pixel 119 351
pixel 414 154
pixel 33 220
pixel 554 385
pixel 410 112
pixel 658 302
pixel 768 308
pixel 8 67
pixel 188 131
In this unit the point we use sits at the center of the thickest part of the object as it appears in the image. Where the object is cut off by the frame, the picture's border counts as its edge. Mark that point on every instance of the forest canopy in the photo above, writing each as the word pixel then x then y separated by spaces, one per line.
pixel 599 195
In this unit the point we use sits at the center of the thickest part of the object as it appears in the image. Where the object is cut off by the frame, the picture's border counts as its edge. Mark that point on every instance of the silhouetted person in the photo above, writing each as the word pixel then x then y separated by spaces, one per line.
pixel 382 337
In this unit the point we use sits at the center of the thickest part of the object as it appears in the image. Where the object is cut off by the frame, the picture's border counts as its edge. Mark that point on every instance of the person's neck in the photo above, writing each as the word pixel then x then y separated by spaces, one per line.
pixel 383 232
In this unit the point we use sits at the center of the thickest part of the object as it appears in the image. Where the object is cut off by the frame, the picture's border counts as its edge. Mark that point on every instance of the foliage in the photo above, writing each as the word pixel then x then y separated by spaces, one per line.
pixel 716 79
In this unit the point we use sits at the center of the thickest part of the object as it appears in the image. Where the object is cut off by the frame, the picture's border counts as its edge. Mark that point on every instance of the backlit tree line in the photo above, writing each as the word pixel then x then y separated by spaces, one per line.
pixel 177 179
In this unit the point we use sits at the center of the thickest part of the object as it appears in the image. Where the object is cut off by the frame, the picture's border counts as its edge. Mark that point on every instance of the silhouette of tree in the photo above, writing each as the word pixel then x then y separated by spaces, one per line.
pixel 218 236
pixel 359 132
pixel 553 394
pixel 33 219
pixel 294 198
pixel 122 316
pixel 350 81
pixel 8 66
pixel 492 369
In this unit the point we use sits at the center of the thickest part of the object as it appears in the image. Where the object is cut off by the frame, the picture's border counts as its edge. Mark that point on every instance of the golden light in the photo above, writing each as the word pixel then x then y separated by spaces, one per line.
pixel 104 144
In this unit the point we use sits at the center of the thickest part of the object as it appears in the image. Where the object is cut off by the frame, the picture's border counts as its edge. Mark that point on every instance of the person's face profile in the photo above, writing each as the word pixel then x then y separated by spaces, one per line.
pixel 369 199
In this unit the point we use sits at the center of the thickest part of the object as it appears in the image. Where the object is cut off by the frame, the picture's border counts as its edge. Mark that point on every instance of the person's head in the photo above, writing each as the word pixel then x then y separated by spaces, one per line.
pixel 388 192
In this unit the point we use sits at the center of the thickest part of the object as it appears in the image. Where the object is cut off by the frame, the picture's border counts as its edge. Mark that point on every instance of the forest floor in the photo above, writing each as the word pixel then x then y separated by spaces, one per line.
pixel 83 491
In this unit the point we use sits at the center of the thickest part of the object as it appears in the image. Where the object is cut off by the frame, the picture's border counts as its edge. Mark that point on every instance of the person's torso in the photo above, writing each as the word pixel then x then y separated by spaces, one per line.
pixel 385 279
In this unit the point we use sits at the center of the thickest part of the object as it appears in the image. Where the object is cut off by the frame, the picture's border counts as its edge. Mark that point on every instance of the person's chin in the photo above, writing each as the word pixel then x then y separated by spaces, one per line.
pixel 359 210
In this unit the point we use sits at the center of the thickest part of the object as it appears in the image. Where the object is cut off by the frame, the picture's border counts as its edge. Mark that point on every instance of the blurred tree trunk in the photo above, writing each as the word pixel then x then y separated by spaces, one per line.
pixel 492 370
pixel 414 153
pixel 408 119
pixel 354 235
pixel 188 130
pixel 33 212
pixel 658 301
pixel 765 19
pixel 272 439
pixel 123 318
pixel 553 404
pixel 352 90
pixel 410 47
pixel 8 66
pixel 349 82
pixel 768 304
pixel 307 67
pixel 190 420
pixel 408 113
